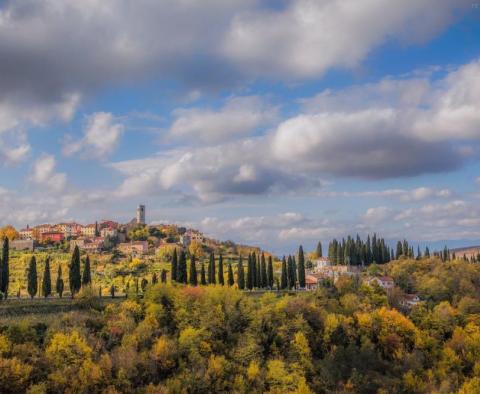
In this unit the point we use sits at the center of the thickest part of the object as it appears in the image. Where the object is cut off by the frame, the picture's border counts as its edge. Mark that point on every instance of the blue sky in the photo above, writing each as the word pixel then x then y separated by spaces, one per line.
pixel 270 123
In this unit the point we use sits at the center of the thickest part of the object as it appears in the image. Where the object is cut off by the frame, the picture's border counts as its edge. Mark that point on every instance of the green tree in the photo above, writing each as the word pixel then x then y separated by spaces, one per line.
pixel 47 281
pixel 174 265
pixel 193 271
pixel 74 277
pixel 97 231
pixel 318 251
pixel 250 269
pixel 163 276
pixel 182 268
pixel 240 275
pixel 203 279
pixel 221 279
pixel 263 272
pixel 59 286
pixel 230 275
pixel 301 267
pixel 290 273
pixel 32 284
pixel 270 272
pixel 87 275
pixel 284 277
pixel 254 270
pixel 211 270
pixel 4 268
pixel 154 278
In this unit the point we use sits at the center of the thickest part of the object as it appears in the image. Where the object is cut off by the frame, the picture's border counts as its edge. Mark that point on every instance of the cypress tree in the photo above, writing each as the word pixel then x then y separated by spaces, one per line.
pixel 182 268
pixel 230 275
pixel 193 271
pixel 270 273
pixel 250 270
pixel 97 231
pixel 240 275
pixel 258 273
pixel 203 280
pixel 59 286
pixel 173 273
pixel 254 269
pixel 211 269
pixel 301 268
pixel 154 278
pixel 263 272
pixel 4 268
pixel 284 277
pixel 74 277
pixel 163 276
pixel 87 276
pixel 47 281
pixel 144 284
pixel 318 251
pixel 221 279
pixel 32 285
pixel 290 273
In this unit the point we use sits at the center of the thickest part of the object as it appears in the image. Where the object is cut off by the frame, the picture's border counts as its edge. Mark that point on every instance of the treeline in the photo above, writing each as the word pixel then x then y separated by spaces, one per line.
pixel 355 251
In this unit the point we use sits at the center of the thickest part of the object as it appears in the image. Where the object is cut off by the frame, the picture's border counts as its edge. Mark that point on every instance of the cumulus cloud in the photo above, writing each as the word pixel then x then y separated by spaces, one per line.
pixel 44 174
pixel 239 117
pixel 413 195
pixel 305 38
pixel 101 136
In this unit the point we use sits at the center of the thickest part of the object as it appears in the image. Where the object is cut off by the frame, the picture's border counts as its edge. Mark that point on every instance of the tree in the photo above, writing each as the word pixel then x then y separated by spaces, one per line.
pixel 250 269
pixel 4 268
pixel 203 279
pixel 87 276
pixel 97 231
pixel 174 266
pixel 163 276
pixel 318 251
pixel 144 284
pixel 182 268
pixel 427 252
pixel 284 277
pixel 47 281
pixel 211 269
pixel 263 272
pixel 112 291
pixel 254 270
pixel 221 279
pixel 193 271
pixel 154 278
pixel 240 275
pixel 290 273
pixel 74 277
pixel 301 268
pixel 32 284
pixel 270 272
pixel 230 275
pixel 59 286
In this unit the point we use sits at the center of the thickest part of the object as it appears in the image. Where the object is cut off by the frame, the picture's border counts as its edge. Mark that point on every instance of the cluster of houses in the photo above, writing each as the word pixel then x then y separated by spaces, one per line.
pixel 322 270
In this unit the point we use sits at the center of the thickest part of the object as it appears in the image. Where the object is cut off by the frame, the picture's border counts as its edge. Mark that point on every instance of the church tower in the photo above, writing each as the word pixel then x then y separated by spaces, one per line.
pixel 141 214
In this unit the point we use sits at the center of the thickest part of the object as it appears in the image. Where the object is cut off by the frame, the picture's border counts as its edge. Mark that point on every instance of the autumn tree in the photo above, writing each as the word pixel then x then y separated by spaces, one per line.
pixel 74 277
pixel 47 281
pixel 87 276
pixel 32 284
pixel 59 286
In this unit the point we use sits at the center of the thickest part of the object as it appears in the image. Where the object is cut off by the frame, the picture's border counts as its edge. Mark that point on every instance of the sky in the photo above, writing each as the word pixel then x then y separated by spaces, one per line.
pixel 271 123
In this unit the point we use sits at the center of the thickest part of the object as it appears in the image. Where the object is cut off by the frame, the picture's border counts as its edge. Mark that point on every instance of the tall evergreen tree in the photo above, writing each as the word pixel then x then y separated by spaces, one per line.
pixel 59 285
pixel 270 273
pixel 163 276
pixel 221 279
pixel 318 251
pixel 32 284
pixel 97 231
pixel 230 279
pixel 240 275
pixel 250 270
pixel 290 273
pixel 263 272
pixel 87 275
pixel 74 277
pixel 254 270
pixel 284 277
pixel 193 271
pixel 47 280
pixel 211 270
pixel 174 271
pixel 182 268
pixel 154 278
pixel 4 268
pixel 301 268
pixel 427 252
pixel 203 279
pixel 258 274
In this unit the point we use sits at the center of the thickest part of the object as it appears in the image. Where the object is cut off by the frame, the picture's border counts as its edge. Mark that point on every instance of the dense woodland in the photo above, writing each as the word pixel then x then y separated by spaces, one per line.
pixel 211 339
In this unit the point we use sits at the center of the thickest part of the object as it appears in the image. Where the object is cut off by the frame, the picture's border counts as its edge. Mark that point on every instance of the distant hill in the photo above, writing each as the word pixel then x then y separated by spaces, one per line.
pixel 468 251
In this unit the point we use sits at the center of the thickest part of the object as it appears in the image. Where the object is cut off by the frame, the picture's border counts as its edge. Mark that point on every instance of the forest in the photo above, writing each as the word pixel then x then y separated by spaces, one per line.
pixel 342 338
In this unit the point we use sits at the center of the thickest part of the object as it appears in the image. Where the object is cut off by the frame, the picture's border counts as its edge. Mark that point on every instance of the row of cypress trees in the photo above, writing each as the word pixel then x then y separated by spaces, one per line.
pixel 293 274
pixel 75 279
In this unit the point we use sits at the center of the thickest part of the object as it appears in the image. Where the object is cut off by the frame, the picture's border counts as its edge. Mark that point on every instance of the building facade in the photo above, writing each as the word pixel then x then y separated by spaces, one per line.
pixel 141 214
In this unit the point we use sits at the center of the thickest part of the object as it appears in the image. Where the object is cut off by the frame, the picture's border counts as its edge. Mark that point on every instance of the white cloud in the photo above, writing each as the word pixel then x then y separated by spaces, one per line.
pixel 101 136
pixel 239 117
pixel 305 38
pixel 413 195
pixel 377 215
pixel 44 174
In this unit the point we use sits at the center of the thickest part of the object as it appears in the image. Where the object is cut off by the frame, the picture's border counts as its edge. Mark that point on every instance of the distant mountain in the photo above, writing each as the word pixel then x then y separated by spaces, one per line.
pixel 468 251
